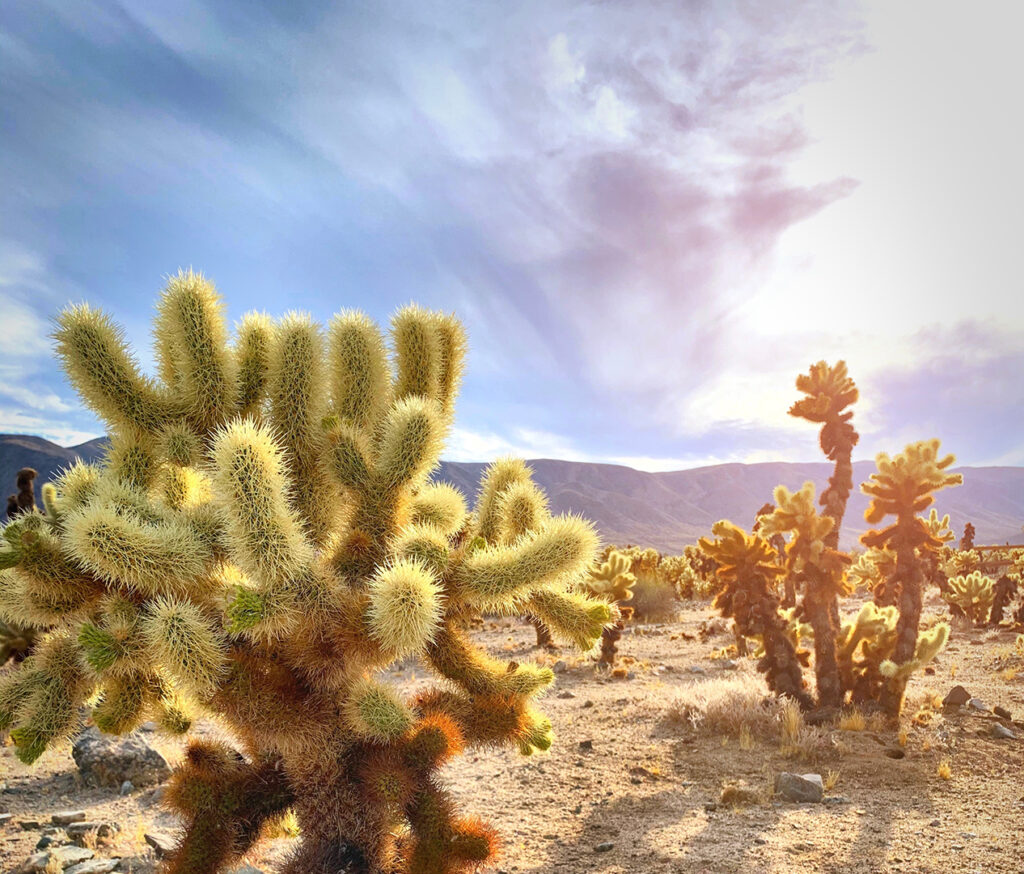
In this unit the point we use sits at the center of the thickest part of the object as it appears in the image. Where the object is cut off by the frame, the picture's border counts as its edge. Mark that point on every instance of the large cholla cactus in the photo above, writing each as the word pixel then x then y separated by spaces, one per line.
pixel 903 487
pixel 971 596
pixel 261 542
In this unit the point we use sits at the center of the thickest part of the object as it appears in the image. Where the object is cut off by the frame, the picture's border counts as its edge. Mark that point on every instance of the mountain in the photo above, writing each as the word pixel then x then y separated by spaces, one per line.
pixel 663 510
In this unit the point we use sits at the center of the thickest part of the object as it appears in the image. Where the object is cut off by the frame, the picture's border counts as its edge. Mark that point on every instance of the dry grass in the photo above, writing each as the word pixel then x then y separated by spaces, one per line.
pixel 945 770
pixel 654 600
pixel 831 780
pixel 852 720
pixel 736 706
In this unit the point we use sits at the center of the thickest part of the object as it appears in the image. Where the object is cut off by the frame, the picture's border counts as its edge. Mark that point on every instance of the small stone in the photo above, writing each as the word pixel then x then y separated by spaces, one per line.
pixel 1001 731
pixel 586 745
pixel 560 667
pixel 697 669
pixel 935 823
pixel 29 824
pixel 148 727
pixel 760 841
pixel 895 752
pixel 565 693
pixel 587 704
pixel 45 842
pixel 35 862
pixel 606 847
pixel 978 705
pixel 162 843
pixel 711 806
pixel 5 818
pixel 836 799
pixel 958 696
pixel 78 830
pixel 96 866
pixel 66 817
pixel 1002 712
pixel 127 788
pixel 730 664
pixel 800 787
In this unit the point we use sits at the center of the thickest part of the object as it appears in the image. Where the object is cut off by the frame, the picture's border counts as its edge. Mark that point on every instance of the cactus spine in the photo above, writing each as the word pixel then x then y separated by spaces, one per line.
pixel 262 540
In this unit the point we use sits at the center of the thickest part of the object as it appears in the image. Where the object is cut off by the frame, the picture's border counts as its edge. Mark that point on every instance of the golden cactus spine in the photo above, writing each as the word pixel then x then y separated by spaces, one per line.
pixel 261 542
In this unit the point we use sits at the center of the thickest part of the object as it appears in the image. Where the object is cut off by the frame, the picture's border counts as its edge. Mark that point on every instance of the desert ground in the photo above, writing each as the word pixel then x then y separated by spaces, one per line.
pixel 638 781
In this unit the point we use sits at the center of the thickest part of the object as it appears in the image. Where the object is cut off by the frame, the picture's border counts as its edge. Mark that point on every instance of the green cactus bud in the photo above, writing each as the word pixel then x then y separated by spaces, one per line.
pixel 405 607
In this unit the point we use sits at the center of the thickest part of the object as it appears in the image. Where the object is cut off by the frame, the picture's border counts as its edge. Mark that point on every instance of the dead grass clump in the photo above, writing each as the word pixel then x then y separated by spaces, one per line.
pixel 736 706
pixel 852 720
pixel 739 794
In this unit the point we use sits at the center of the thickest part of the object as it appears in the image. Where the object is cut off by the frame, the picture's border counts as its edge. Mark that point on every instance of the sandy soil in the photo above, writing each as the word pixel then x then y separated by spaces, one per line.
pixel 623 773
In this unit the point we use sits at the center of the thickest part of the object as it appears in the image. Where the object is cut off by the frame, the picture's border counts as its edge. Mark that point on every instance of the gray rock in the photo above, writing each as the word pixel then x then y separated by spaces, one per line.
pixel 560 667
pixel 68 856
pixel 800 787
pixel 245 869
pixel 958 696
pixel 836 799
pixel 1001 731
pixel 162 843
pixel 729 664
pixel 29 824
pixel 35 862
pixel 96 866
pixel 127 788
pixel 66 817
pixel 78 830
pixel 697 669
pixel 110 761
pixel 606 847
pixel 978 705
pixel 5 818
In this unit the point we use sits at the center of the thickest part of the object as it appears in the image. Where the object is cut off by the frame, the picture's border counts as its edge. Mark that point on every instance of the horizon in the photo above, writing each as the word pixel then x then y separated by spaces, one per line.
pixel 650 221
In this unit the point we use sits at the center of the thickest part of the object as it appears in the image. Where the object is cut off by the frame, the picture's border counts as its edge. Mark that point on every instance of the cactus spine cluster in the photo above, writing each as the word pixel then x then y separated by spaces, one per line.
pixel 972 596
pixel 262 541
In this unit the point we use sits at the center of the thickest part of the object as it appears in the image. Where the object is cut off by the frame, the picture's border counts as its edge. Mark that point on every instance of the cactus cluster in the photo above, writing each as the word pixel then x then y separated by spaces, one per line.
pixel 261 542
pixel 870 658
pixel 25 499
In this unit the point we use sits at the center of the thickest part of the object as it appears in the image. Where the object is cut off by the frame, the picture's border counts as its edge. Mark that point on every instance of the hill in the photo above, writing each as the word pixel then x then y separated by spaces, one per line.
pixel 665 510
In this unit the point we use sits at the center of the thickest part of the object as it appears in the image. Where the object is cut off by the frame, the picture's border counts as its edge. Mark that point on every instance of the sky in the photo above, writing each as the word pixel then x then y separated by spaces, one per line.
pixel 650 216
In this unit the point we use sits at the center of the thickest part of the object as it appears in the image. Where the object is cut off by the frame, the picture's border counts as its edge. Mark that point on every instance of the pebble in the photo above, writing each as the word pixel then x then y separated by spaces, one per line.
pixel 958 696
pixel 565 693
pixel 127 788
pixel 560 667
pixel 730 664
pixel 5 818
pixel 836 799
pixel 586 745
pixel 607 846
pixel 978 705
pixel 96 866
pixel 1001 731
pixel 66 817
pixel 1002 712
pixel 697 669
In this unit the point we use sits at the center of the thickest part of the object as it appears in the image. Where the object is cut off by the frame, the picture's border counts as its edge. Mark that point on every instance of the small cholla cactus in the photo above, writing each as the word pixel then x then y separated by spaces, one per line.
pixel 260 543
pixel 1002 595
pixel 748 572
pixel 25 500
pixel 971 596
pixel 967 541
pixel 902 487
pixel 613 583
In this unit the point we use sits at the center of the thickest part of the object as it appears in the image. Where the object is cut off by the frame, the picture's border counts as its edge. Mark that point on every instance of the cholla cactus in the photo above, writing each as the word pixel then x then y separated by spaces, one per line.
pixel 1002 595
pixel 903 487
pixel 260 543
pixel 812 561
pixel 25 500
pixel 830 391
pixel 612 582
pixel 967 541
pixel 748 572
pixel 971 596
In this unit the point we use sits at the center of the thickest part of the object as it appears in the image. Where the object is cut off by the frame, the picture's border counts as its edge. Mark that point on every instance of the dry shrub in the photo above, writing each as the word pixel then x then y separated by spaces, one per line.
pixel 739 794
pixel 654 599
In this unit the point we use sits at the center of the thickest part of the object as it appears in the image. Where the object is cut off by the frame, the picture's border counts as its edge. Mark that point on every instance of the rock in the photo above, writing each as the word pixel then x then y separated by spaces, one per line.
pixel 110 761
pixel 606 847
pixel 127 788
pixel 96 866
pixel 35 862
pixel 148 727
pixel 136 865
pixel 68 856
pixel 162 843
pixel 958 696
pixel 66 817
pixel 1001 731
pixel 697 669
pixel 560 667
pixel 978 705
pixel 29 824
pixel 5 818
pixel 836 799
pixel 1002 712
pixel 895 752
pixel 730 664
pixel 586 745
pixel 245 869
pixel 800 787
pixel 46 841
pixel 565 693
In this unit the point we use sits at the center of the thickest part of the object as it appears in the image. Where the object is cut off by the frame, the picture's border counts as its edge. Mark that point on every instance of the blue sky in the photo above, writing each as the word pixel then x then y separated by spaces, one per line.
pixel 649 215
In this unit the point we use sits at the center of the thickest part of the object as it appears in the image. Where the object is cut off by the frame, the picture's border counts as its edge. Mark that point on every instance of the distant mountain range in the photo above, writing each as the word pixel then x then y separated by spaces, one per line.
pixel 663 510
